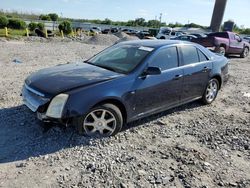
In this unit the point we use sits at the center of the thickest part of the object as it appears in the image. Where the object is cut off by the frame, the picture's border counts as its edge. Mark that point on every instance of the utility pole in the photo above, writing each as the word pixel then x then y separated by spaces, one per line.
pixel 218 13
pixel 160 19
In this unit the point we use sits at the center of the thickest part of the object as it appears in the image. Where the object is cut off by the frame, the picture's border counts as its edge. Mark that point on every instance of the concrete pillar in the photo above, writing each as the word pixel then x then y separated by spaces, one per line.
pixel 218 13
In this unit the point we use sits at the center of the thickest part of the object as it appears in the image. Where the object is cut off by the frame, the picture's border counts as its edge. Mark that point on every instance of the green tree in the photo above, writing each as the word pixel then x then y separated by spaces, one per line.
pixel 44 17
pixel 53 16
pixel 140 22
pixel 3 21
pixel 15 23
pixel 65 26
pixel 107 21
pixel 153 23
pixel 32 26
pixel 41 26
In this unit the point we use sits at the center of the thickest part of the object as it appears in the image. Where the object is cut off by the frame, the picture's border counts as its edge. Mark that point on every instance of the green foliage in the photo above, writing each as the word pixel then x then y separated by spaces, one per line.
pixel 15 23
pixel 177 24
pixel 32 26
pixel 246 31
pixel 140 22
pixel 3 21
pixel 153 23
pixel 53 16
pixel 65 26
pixel 106 21
pixel 44 17
pixel 41 26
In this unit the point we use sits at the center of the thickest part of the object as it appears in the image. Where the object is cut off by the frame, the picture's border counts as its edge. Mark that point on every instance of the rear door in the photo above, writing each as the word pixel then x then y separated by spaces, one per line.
pixel 160 91
pixel 196 69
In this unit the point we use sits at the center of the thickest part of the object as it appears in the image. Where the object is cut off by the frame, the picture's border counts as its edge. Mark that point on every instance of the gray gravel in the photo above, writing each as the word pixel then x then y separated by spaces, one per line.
pixel 189 146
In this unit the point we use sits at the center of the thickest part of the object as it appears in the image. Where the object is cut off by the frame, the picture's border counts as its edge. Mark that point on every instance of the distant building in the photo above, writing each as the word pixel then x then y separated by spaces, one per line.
pixel 228 26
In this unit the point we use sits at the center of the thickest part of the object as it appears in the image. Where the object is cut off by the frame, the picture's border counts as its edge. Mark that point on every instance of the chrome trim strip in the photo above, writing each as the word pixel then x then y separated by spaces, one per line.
pixel 34 91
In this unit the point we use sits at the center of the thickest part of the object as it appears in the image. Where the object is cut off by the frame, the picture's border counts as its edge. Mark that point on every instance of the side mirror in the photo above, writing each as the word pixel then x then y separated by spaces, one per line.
pixel 151 71
pixel 239 40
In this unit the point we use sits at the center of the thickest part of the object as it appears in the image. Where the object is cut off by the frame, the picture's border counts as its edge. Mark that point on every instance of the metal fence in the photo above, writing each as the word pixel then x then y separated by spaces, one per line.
pixel 84 25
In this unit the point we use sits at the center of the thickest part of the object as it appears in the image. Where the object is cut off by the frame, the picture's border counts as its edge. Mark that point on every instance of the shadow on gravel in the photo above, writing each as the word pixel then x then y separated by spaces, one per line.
pixel 154 117
pixel 21 136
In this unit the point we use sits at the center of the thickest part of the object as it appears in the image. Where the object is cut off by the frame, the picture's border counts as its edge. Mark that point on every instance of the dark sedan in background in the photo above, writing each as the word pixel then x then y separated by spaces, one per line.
pixel 125 82
pixel 184 37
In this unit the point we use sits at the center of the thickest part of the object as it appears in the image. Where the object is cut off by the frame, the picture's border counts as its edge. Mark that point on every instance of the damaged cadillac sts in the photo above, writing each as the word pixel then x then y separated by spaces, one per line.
pixel 123 83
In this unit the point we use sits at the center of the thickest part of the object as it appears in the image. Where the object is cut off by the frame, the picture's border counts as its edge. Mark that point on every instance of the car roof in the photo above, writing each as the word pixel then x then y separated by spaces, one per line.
pixel 155 43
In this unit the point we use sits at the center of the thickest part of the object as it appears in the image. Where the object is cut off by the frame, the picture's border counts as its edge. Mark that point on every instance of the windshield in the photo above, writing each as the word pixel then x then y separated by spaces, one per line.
pixel 120 58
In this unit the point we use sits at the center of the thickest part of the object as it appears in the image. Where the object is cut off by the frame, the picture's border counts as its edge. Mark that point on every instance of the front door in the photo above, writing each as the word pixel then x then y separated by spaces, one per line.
pixel 157 92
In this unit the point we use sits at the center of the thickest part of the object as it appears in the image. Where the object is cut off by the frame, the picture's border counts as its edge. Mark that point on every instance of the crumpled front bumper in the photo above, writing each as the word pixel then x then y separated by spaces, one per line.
pixel 33 99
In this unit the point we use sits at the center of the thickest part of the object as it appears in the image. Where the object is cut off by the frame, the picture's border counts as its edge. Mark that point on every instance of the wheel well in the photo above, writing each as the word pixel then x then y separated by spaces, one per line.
pixel 118 104
pixel 223 45
pixel 162 38
pixel 217 77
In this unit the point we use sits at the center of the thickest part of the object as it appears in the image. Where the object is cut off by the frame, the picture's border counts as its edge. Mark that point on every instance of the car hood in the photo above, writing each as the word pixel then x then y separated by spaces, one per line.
pixel 62 78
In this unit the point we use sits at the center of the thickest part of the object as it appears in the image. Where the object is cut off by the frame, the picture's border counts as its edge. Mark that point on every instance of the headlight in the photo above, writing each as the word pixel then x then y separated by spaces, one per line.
pixel 56 106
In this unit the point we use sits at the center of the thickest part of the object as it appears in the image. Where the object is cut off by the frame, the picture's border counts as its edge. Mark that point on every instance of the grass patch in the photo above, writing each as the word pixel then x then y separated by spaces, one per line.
pixel 13 32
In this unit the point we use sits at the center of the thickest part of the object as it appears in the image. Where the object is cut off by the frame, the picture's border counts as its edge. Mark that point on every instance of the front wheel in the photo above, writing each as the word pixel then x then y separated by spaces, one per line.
pixel 211 91
pixel 244 53
pixel 103 120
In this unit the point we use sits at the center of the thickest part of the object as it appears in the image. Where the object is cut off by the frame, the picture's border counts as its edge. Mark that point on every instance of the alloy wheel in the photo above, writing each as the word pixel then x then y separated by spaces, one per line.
pixel 100 122
pixel 246 51
pixel 211 91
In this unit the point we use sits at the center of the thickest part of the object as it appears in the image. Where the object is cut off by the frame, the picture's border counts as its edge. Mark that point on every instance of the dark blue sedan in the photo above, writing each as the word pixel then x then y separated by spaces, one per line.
pixel 123 83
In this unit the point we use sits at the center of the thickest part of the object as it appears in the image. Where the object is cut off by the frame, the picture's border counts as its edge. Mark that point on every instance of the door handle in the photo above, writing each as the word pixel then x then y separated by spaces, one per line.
pixel 178 76
pixel 205 69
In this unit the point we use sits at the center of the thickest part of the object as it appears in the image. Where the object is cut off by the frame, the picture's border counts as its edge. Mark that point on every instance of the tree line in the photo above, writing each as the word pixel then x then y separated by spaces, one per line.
pixel 138 22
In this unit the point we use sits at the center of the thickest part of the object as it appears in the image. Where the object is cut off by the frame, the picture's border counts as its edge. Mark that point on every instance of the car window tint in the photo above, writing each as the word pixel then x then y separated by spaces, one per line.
pixel 202 56
pixel 166 59
pixel 190 54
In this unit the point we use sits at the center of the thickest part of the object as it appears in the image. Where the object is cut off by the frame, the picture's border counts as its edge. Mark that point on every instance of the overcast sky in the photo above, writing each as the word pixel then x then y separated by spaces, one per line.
pixel 183 11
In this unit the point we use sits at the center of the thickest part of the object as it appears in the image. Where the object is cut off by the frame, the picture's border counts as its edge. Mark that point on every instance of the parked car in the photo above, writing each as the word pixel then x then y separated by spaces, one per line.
pixel 125 82
pixel 167 33
pixel 129 31
pixel 198 35
pixel 111 30
pixel 225 43
pixel 144 35
pixel 184 37
pixel 96 30
pixel 247 39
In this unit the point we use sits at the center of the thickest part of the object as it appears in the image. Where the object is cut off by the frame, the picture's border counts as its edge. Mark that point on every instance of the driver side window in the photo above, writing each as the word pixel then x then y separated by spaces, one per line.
pixel 165 59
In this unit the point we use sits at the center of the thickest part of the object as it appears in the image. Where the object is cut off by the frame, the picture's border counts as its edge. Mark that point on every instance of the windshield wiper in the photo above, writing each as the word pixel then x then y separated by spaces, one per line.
pixel 105 67
pixel 108 68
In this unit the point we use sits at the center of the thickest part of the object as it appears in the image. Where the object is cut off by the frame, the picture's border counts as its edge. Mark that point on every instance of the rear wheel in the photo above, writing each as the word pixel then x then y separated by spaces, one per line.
pixel 221 50
pixel 211 91
pixel 244 53
pixel 103 120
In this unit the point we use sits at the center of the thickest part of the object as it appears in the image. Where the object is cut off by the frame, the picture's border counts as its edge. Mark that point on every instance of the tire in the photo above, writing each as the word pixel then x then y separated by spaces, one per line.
pixel 221 50
pixel 162 38
pixel 244 53
pixel 211 91
pixel 103 120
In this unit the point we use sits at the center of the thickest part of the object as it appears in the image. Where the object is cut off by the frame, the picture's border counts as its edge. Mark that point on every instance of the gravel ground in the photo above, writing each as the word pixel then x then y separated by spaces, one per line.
pixel 189 146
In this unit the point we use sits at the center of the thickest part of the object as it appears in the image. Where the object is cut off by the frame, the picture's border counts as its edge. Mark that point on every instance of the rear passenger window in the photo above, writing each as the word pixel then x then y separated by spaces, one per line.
pixel 190 55
pixel 166 59
pixel 202 56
